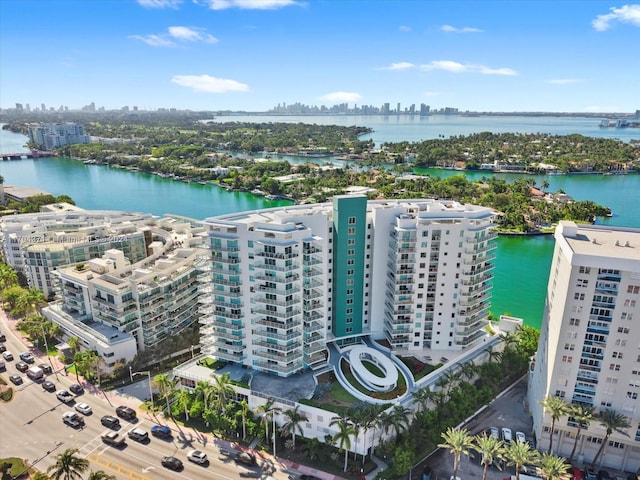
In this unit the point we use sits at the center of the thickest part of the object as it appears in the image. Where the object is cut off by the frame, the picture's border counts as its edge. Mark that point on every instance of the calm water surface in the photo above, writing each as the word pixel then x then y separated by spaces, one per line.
pixel 522 263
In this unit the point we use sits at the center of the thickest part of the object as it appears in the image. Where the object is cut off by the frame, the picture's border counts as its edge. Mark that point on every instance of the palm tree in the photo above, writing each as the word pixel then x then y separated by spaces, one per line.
pixel 458 442
pixel 205 391
pixel 40 476
pixel 101 475
pixel 8 276
pixel 582 415
pixel 265 410
pixel 423 396
pixel 520 454
pixel 614 422
pixel 224 390
pixel 166 386
pixel 30 301
pixel 553 467
pixel 400 418
pixel 557 408
pixel 68 466
pixel 313 448
pixel 468 370
pixel 343 437
pixel 491 449
pixel 184 399
pixel 295 418
pixel 244 410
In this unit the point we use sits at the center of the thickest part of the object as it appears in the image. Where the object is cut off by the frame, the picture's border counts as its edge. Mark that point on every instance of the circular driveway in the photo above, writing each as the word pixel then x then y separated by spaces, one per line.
pixel 367 378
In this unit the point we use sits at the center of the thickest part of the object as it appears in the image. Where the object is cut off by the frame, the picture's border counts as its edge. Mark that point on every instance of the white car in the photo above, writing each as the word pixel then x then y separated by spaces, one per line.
pixel 197 456
pixel 83 408
pixel 494 432
pixel 520 437
pixel 506 435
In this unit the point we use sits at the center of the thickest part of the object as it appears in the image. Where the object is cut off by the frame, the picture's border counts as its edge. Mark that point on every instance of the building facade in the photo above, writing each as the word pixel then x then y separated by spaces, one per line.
pixel 37 244
pixel 415 274
pixel 589 343
pixel 49 136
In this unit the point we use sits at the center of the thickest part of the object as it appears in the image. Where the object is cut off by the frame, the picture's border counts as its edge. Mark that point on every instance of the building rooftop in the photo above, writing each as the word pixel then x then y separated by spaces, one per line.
pixel 608 243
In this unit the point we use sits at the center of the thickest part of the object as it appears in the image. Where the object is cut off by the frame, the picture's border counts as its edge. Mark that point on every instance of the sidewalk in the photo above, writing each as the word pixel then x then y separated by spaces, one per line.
pixel 121 397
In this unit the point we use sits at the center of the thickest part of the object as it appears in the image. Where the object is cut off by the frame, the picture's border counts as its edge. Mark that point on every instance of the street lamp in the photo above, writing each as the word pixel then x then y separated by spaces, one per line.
pixel 148 373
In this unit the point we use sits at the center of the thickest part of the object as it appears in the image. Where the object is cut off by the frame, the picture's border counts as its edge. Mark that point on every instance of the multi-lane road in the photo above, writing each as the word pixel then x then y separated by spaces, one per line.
pixel 31 427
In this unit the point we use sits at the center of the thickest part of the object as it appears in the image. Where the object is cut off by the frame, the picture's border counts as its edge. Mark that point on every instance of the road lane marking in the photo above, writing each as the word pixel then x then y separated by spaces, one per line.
pixel 116 467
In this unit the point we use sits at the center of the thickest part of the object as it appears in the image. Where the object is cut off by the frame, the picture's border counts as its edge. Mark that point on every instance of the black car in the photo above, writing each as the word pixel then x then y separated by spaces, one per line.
pixel 127 413
pixel 173 463
pixel 76 389
pixel 161 431
pixel 604 475
pixel 109 421
pixel 22 367
pixel 3 338
pixel 49 386
pixel 15 379
pixel 46 368
pixel 2 348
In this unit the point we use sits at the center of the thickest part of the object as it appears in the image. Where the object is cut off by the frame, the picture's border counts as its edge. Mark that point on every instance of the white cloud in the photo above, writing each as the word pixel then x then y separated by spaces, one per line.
pixel 341 97
pixel 565 81
pixel 432 94
pixel 188 34
pixel 456 67
pixel 398 66
pixel 160 3
pixel 154 40
pixel 206 83
pixel 404 28
pixel 625 14
pixel 249 4
pixel 177 33
pixel 449 28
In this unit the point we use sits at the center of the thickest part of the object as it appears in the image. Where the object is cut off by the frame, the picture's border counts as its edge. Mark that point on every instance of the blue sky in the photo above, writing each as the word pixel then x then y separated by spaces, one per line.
pixel 537 55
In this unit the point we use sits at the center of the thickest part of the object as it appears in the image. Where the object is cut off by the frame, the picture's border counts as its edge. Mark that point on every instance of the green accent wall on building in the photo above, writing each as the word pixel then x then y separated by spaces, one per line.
pixel 349 245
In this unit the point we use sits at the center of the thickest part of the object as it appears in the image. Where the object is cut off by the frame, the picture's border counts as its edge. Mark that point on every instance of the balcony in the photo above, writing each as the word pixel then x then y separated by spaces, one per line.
pixel 277 313
pixel 279 256
pixel 277 268
pixel 274 367
pixel 228 356
pixel 229 260
pixel 263 332
pixel 270 301
pixel 280 325
pixel 277 278
pixel 278 357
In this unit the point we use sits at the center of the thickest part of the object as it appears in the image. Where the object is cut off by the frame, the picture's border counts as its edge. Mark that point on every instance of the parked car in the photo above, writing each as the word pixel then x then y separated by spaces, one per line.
pixel 22 367
pixel 110 421
pixel 494 432
pixel 161 431
pixel 427 473
pixel 49 386
pixel 127 413
pixel 197 456
pixel 304 476
pixel 590 474
pixel 27 357
pixel 3 338
pixel 15 379
pixel 73 419
pixel 172 463
pixel 46 368
pixel 576 473
pixel 113 439
pixel 84 408
pixel 64 396
pixel 506 435
pixel 8 356
pixel 3 348
pixel 604 475
pixel 76 389
pixel 139 435
pixel 520 437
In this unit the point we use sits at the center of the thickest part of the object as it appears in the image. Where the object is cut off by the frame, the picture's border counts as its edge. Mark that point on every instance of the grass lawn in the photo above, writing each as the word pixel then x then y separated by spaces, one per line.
pixel 17 470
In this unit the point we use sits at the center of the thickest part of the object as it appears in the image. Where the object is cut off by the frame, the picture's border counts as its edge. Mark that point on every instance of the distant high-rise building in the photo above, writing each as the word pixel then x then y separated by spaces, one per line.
pixel 54 135
pixel 588 353
pixel 386 108
pixel 19 107
pixel 424 109
pixel 398 108
pixel 43 107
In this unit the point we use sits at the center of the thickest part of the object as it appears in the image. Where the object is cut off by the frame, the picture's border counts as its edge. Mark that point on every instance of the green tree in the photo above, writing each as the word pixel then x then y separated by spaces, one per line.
pixel 224 390
pixel 553 467
pixel 166 387
pixel 557 408
pixel 294 419
pixel 265 410
pixel 69 465
pixel 582 415
pixel 343 438
pixel 101 475
pixel 614 422
pixel 458 442
pixel 519 454
pixel 491 449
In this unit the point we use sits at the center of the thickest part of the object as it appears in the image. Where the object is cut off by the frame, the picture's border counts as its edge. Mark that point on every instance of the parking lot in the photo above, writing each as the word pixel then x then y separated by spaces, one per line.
pixel 507 411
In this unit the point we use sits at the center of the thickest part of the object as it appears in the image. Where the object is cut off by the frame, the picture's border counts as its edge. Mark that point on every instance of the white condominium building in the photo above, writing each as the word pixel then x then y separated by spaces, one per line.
pixel 54 135
pixel 36 244
pixel 589 351
pixel 415 274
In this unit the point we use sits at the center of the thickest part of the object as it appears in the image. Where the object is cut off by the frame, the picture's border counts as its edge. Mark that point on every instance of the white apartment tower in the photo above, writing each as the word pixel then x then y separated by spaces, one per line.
pixel 589 350
pixel 287 281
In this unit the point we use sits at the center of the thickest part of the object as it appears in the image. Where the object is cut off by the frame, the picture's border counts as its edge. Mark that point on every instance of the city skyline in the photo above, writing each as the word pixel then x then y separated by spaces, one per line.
pixel 251 55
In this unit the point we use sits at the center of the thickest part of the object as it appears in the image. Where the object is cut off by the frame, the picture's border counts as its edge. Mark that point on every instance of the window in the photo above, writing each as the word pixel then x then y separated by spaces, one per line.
pixel 578 296
pixel 582 283
pixel 617 355
pixel 586 270
pixel 351 251
pixel 567 358
pixel 351 231
pixel 574 321
pixel 352 220
pixel 560 393
pixel 351 241
pixel 623 330
pixel 633 289
pixel 614 366
pixel 350 272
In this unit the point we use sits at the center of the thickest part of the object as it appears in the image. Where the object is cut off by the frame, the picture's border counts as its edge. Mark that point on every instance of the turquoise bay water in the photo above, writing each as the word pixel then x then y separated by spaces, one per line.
pixel 522 263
